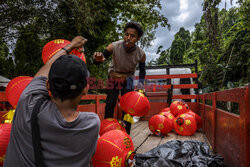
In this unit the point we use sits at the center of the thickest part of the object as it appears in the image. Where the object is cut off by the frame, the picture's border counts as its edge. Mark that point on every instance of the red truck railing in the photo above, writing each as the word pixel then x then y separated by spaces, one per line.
pixel 228 133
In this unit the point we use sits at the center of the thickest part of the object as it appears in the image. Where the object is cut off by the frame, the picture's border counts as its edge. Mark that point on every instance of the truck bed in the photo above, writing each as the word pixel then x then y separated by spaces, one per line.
pixel 144 140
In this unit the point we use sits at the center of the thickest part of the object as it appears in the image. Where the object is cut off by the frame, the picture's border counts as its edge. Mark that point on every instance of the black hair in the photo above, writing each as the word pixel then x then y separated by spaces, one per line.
pixel 136 26
pixel 59 89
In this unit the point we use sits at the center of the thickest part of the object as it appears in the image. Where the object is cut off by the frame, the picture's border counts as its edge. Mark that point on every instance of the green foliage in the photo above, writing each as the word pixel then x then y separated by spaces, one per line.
pixel 5 61
pixel 174 54
pixel 101 22
pixel 28 53
pixel 220 43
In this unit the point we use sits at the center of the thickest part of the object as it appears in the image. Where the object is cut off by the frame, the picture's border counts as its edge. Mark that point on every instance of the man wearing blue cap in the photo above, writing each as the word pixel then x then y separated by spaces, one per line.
pixel 47 129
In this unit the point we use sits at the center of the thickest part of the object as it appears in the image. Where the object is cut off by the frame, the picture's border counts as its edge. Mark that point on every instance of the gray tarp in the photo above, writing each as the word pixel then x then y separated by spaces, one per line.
pixel 180 154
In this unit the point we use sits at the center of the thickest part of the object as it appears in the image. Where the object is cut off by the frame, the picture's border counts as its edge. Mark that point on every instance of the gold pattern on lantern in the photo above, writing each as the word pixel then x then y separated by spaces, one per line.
pixel 179 107
pixel 131 111
pixel 110 119
pixel 188 122
pixel 182 115
pixel 2 158
pixel 151 128
pixel 116 162
pixel 160 126
pixel 180 129
pixel 127 142
pixel 141 94
pixel 59 41
pixel 170 117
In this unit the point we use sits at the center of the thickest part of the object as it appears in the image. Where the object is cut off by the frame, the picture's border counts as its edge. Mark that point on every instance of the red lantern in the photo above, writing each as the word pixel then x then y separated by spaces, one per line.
pixel 185 125
pixel 135 103
pixel 15 88
pixel 54 46
pixel 110 124
pixel 178 107
pixel 114 148
pixel 197 118
pixel 170 116
pixel 166 109
pixel 160 125
pixel 4 140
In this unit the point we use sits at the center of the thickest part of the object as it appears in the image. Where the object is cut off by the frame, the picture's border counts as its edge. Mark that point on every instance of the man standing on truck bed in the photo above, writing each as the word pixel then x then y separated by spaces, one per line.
pixel 125 56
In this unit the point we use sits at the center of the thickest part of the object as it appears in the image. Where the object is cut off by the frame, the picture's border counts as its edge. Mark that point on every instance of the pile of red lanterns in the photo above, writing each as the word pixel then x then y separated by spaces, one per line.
pixel 13 92
pixel 178 117
pixel 114 137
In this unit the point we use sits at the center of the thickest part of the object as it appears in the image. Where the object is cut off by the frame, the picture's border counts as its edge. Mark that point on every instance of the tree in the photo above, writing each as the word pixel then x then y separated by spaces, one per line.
pixel 28 53
pixel 99 21
pixel 220 42
pixel 5 61
pixel 180 44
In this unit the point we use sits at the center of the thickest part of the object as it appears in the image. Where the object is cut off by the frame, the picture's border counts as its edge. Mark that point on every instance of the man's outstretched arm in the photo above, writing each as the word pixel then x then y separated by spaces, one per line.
pixel 100 57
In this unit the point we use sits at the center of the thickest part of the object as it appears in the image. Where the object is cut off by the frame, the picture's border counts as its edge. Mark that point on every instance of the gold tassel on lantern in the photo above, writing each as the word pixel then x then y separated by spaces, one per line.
pixel 128 118
pixel 9 116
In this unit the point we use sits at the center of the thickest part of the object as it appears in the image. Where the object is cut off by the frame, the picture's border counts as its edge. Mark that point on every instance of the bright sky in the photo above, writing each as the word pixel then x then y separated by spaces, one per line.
pixel 180 13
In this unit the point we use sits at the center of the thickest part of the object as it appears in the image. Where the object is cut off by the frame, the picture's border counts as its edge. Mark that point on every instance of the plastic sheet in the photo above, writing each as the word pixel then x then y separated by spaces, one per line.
pixel 180 154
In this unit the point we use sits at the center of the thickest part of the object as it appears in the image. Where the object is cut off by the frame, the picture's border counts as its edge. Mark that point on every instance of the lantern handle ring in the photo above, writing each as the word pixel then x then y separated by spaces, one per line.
pixel 180 121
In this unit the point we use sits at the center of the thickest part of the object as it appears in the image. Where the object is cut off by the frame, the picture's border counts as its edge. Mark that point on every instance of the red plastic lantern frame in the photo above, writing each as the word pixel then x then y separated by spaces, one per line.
pixel 111 124
pixel 15 88
pixel 114 148
pixel 167 109
pixel 197 118
pixel 160 125
pixel 170 117
pixel 185 125
pixel 52 47
pixel 5 130
pixel 178 107
pixel 135 104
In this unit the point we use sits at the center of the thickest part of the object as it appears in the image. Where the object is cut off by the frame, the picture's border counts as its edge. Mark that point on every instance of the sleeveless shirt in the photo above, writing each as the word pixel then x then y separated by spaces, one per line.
pixel 125 62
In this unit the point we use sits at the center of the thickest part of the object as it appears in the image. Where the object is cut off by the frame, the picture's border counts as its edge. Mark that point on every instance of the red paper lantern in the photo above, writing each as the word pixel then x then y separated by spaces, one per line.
pixel 167 109
pixel 15 88
pixel 4 140
pixel 178 107
pixel 135 103
pixel 170 116
pixel 185 125
pixel 160 125
pixel 114 148
pixel 54 46
pixel 110 124
pixel 197 118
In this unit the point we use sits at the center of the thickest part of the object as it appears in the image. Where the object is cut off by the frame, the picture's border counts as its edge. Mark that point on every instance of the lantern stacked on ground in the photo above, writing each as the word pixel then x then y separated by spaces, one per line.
pixel 52 47
pixel 184 121
pixel 162 123
pixel 135 104
pixel 111 124
pixel 114 148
